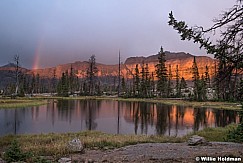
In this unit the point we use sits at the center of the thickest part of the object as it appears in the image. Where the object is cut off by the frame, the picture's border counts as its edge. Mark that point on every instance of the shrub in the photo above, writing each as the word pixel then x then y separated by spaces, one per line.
pixel 236 134
pixel 14 153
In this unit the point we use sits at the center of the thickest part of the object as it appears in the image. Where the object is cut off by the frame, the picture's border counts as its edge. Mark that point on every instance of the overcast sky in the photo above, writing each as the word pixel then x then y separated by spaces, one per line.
pixel 46 33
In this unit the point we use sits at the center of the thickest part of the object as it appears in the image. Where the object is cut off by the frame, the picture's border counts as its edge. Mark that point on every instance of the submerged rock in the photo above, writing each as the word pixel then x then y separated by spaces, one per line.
pixel 197 140
pixel 75 145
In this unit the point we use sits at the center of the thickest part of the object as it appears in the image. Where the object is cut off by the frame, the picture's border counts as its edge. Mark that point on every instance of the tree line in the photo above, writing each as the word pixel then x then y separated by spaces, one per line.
pixel 143 84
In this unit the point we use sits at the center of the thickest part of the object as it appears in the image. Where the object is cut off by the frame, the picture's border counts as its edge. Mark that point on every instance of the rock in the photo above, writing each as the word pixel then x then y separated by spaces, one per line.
pixel 89 161
pixel 65 160
pixel 197 140
pixel 75 145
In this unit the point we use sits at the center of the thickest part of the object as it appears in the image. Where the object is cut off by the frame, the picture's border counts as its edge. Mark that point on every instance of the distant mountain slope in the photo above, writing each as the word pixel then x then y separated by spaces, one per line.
pixel 183 60
pixel 9 65
pixel 7 74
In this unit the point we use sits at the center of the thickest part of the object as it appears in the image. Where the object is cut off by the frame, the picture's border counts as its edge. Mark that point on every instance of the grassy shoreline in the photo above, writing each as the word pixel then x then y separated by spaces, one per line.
pixel 55 144
pixel 6 103
pixel 209 104
pixel 36 101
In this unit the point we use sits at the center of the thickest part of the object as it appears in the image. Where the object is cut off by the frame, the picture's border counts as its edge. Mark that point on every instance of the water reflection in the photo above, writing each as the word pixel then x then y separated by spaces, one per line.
pixel 112 117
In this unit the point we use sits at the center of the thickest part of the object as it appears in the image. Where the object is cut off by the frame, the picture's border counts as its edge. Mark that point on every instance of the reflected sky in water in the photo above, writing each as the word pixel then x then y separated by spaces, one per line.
pixel 112 117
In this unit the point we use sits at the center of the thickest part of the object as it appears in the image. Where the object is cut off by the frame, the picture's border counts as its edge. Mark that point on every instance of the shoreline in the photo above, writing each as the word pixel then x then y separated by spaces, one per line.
pixel 55 144
pixel 206 104
pixel 38 100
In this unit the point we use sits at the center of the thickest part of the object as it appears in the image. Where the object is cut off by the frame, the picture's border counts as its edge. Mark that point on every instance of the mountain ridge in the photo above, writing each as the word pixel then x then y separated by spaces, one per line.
pixel 183 60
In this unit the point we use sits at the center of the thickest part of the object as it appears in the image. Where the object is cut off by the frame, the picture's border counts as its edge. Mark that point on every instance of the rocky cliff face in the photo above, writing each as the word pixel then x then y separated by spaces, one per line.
pixel 183 60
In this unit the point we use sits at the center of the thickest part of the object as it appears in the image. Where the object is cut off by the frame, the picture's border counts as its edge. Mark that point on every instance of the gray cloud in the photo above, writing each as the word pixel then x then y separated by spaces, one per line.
pixel 61 31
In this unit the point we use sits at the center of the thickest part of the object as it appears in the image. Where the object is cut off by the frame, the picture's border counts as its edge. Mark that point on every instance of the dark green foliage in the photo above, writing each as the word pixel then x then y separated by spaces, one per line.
pixel 195 80
pixel 68 84
pixel 177 86
pixel 14 153
pixel 169 88
pixel 161 74
pixel 63 85
pixel 207 77
pixel 194 34
pixel 123 84
pixel 152 84
pixel 143 89
pixel 71 79
pixel 40 160
pixel 236 134
pixel 183 83
pixel 91 75
pixel 145 83
pixel 136 81
pixel 240 91
pixel 200 85
pixel 202 89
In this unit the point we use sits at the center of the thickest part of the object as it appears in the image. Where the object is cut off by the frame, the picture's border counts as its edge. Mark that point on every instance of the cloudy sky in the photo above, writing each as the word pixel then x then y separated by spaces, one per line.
pixel 46 33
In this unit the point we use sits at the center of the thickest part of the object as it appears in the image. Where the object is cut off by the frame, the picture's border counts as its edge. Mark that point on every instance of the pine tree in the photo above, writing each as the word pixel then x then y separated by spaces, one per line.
pixel 136 81
pixel 91 75
pixel 207 77
pixel 147 81
pixel 63 85
pixel 202 94
pixel 152 84
pixel 183 83
pixel 161 74
pixel 169 88
pixel 142 83
pixel 178 91
pixel 123 85
pixel 33 84
pixel 71 80
pixel 195 79
pixel 37 83
pixel 54 82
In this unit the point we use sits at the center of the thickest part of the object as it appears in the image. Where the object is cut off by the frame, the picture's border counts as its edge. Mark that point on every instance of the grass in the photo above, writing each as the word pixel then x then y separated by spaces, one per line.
pixel 56 144
pixel 35 101
pixel 218 134
pixel 20 102
pixel 206 104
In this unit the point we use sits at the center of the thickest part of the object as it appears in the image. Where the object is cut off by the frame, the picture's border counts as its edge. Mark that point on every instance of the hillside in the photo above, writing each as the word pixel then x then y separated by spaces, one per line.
pixel 183 60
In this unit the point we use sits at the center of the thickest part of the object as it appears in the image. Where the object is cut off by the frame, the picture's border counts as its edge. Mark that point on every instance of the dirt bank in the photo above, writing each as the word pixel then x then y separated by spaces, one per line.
pixel 161 152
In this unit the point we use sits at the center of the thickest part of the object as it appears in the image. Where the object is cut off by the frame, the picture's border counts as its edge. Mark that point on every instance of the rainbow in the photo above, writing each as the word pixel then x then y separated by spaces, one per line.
pixel 37 54
pixel 40 43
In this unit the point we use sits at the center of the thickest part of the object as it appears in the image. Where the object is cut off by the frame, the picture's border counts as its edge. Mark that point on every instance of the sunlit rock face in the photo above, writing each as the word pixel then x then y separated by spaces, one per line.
pixel 184 66
pixel 183 60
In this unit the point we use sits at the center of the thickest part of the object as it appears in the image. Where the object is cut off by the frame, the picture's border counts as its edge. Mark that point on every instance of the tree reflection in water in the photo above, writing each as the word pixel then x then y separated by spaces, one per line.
pixel 110 116
pixel 171 120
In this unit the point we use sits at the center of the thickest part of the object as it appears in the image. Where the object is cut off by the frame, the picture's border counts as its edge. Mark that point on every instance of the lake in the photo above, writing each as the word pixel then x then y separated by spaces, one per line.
pixel 114 117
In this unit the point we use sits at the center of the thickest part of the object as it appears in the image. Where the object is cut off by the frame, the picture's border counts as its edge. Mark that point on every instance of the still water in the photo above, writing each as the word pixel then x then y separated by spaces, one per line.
pixel 112 117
